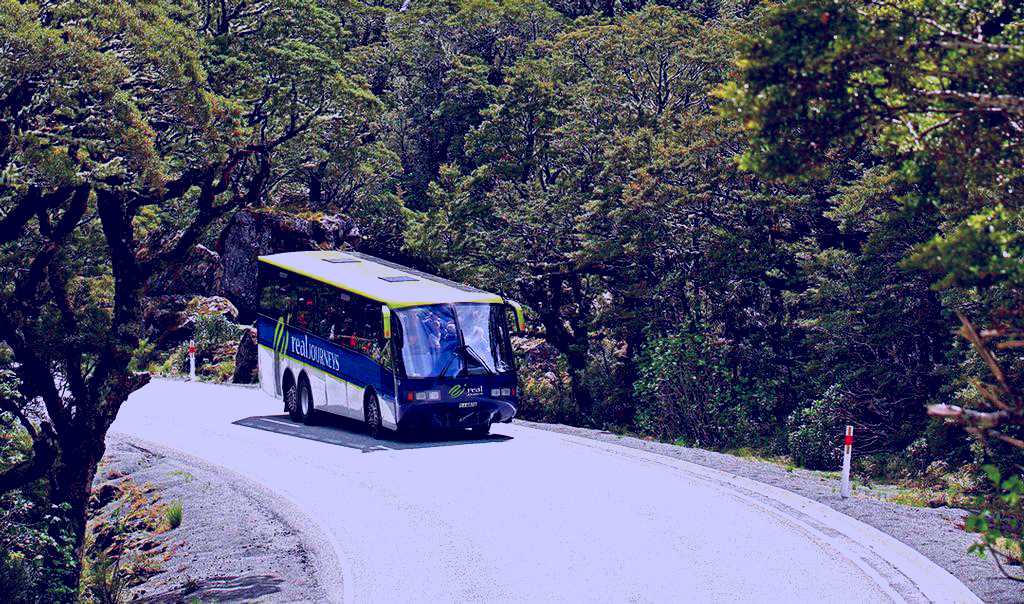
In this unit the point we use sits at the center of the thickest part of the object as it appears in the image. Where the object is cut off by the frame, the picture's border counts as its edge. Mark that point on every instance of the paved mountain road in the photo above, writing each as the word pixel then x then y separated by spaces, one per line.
pixel 529 515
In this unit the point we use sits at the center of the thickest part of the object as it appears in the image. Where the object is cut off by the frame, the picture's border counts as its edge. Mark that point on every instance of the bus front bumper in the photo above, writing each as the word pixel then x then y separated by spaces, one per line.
pixel 456 414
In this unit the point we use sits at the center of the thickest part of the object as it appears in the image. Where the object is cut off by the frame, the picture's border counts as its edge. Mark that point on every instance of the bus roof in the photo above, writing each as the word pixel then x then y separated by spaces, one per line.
pixel 386 282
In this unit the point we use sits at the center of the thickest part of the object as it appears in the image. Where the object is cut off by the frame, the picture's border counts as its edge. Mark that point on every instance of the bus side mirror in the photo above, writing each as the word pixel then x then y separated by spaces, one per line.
pixel 520 318
pixel 386 316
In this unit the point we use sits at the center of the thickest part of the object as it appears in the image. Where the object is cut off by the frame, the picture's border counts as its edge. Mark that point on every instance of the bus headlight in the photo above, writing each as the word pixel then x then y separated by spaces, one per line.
pixel 428 395
pixel 501 392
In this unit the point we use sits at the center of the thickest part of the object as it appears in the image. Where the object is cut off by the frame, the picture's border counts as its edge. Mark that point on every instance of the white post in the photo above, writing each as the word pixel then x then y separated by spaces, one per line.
pixel 192 360
pixel 844 488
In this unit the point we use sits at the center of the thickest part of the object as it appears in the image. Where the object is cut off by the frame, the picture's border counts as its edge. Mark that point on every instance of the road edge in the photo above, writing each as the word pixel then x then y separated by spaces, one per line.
pixel 930 579
pixel 329 561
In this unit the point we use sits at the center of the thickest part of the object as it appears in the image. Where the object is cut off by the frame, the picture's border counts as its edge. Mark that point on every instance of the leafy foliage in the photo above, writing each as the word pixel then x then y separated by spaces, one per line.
pixel 687 388
pixel 214 330
pixel 812 428
pixel 999 521
pixel 741 224
pixel 930 93
pixel 127 129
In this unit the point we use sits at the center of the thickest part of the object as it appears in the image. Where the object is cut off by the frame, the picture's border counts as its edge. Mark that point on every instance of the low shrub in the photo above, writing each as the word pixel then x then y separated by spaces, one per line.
pixel 103 582
pixel 999 521
pixel 214 330
pixel 814 440
pixel 544 385
pixel 882 466
pixel 143 355
pixel 687 388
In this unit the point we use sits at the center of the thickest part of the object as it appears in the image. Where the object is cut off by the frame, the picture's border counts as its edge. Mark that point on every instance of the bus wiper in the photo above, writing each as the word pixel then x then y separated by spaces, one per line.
pixel 448 363
pixel 478 358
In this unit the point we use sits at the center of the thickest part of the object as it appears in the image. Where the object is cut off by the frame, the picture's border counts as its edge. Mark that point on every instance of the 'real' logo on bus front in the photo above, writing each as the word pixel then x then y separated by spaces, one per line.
pixel 458 390
pixel 302 348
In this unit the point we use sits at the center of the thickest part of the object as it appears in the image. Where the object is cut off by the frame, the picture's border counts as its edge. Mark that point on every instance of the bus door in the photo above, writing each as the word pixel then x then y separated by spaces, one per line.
pixel 308 319
pixel 337 328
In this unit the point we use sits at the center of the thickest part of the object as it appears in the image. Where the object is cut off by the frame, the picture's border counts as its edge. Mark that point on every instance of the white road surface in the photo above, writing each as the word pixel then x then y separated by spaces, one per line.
pixel 530 515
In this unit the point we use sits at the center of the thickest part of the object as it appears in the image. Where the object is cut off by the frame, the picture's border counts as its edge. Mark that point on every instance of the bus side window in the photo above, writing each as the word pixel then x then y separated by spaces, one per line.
pixel 333 309
pixel 305 304
pixel 275 292
pixel 380 347
pixel 371 331
pixel 360 334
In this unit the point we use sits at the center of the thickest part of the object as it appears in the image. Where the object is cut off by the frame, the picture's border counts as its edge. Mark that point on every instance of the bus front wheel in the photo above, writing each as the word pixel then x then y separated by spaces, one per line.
pixel 481 431
pixel 371 411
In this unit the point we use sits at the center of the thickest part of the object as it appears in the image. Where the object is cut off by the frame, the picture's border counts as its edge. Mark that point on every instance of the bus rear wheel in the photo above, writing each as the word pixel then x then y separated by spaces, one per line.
pixel 291 402
pixel 306 403
pixel 371 411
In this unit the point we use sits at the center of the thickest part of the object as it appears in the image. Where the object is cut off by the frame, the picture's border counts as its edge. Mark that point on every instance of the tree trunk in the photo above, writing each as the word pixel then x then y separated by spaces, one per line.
pixel 70 488
pixel 608 8
pixel 577 361
pixel 316 187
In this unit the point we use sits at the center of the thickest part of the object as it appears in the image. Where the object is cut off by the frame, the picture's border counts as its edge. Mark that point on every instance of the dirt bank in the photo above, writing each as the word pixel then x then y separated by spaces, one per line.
pixel 230 545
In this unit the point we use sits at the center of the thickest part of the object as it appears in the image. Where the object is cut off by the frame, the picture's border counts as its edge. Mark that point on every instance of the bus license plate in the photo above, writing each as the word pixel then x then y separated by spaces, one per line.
pixel 467 405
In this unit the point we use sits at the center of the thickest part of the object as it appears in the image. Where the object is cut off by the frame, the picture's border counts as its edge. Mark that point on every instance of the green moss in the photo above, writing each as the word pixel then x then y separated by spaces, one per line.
pixel 911 497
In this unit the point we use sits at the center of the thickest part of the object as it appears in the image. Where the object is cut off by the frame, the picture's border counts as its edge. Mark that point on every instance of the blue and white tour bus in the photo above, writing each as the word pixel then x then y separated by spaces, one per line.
pixel 353 335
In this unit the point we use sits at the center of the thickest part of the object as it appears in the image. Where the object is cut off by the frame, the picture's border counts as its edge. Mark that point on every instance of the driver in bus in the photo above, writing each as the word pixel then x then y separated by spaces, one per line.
pixel 448 344
pixel 432 327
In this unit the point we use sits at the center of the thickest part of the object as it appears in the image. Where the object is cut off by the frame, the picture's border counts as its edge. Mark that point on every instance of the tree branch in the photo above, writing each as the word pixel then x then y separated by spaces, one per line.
pixel 34 201
pixel 44 453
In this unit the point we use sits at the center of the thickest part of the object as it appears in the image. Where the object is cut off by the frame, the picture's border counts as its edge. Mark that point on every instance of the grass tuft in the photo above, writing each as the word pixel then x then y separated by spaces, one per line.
pixel 173 514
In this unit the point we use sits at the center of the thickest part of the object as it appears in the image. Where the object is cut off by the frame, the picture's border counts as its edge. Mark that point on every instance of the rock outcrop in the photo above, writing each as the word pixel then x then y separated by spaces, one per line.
pixel 252 233
pixel 246 359
pixel 199 275
pixel 223 283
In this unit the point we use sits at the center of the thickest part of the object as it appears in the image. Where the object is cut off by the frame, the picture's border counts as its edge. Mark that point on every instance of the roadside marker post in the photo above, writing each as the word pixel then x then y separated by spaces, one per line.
pixel 192 360
pixel 844 488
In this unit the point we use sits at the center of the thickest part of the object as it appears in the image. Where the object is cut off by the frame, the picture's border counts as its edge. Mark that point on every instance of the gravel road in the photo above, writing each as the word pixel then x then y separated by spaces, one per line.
pixel 532 515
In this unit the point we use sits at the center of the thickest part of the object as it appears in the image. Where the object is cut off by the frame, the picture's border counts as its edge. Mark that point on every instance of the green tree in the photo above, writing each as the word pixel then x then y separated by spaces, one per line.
pixel 128 129
pixel 933 91
pixel 437 69
pixel 554 205
pixel 875 332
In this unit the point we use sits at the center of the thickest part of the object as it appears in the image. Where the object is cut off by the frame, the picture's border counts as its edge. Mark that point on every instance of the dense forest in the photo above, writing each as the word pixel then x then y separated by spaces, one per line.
pixel 735 224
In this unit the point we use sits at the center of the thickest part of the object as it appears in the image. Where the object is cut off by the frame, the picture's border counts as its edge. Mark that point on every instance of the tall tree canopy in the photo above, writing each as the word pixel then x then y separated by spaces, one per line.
pixel 931 94
pixel 735 223
pixel 127 129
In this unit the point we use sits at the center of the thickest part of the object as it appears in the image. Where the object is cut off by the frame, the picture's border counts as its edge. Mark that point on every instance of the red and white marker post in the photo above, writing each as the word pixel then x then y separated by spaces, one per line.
pixel 844 487
pixel 192 360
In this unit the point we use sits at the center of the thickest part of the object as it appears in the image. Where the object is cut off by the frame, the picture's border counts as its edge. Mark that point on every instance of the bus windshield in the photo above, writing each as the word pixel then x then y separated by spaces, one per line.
pixel 448 340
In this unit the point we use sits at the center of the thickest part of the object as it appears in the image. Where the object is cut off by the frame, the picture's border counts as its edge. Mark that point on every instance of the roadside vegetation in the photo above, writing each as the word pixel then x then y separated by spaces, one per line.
pixel 738 225
pixel 120 546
